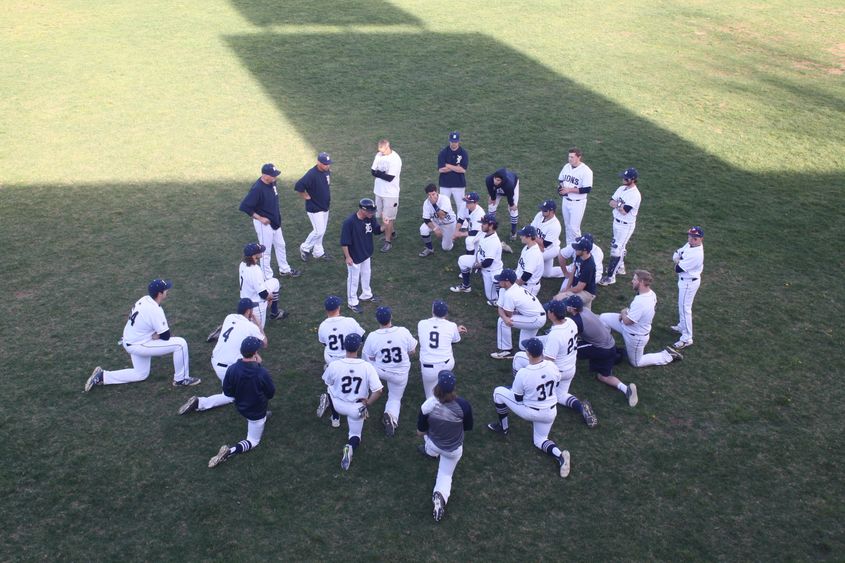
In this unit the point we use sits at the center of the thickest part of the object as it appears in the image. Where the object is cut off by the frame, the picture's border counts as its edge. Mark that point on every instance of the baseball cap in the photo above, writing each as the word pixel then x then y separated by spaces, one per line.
pixel 352 342
pixel 490 218
pixel 245 305
pixel 253 248
pixel 324 158
pixel 250 345
pixel 158 285
pixel 383 315
pixel 455 137
pixel 629 174
pixel 697 232
pixel 506 275
pixel 528 231
pixel 270 170
pixel 367 203
pixel 548 205
pixel 472 196
pixel 332 303
pixel 558 308
pixel 574 301
pixel 446 380
pixel 582 243
pixel 439 308
pixel 587 236
pixel 533 346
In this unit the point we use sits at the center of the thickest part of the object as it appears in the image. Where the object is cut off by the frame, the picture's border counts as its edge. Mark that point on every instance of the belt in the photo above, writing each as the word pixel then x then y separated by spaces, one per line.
pixel 619 221
pixel 574 200
pixel 222 365
pixel 432 365
pixel 682 278
pixel 544 408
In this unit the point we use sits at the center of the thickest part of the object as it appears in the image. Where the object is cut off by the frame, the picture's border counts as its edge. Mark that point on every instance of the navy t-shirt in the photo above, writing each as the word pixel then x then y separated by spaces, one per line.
pixel 357 234
pixel 264 200
pixel 316 183
pixel 251 387
pixel 459 157
pixel 585 270
pixel 506 187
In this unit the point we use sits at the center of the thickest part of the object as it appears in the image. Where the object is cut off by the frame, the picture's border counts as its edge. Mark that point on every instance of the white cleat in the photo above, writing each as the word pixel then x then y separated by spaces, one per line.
pixel 565 466
pixel 631 394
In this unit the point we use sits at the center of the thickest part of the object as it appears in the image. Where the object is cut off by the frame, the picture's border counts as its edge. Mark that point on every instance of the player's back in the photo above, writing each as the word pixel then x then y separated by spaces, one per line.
pixel 145 318
pixel 436 337
pixel 561 345
pixel 390 348
pixel 251 281
pixel 537 384
pixel 332 332
pixel 350 379
pixel 234 330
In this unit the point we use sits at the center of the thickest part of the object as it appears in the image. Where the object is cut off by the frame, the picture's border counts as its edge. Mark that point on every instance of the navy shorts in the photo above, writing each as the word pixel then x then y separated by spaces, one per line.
pixel 602 360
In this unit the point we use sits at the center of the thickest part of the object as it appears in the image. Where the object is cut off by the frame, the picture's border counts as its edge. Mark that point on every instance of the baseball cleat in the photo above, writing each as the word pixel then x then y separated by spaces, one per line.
pixel 681 344
pixel 676 328
pixel 439 506
pixel 96 378
pixel 460 288
pixel 507 248
pixel 373 299
pixel 421 449
pixel 214 334
pixel 355 308
pixel 607 281
pixel 502 355
pixel 589 415
pixel 565 466
pixel 674 353
pixel 304 255
pixel 187 382
pixel 347 457
pixel 386 246
pixel 426 252
pixel 222 455
pixel 497 428
pixel 389 425
pixel 631 394
pixel 323 405
pixel 292 274
pixel 335 422
pixel 326 256
pixel 514 236
pixel 281 315
pixel 492 303
pixel 620 271
pixel 190 405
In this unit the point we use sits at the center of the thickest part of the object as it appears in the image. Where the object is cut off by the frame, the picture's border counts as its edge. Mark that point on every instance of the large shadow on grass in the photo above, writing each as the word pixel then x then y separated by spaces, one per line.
pixel 336 12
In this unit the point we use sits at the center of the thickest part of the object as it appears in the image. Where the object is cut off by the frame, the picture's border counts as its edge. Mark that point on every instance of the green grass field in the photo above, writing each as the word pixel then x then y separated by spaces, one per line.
pixel 130 131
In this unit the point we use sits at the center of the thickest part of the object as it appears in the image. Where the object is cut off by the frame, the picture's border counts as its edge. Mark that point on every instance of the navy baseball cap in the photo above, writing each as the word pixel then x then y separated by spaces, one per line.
pixel 446 380
pixel 158 285
pixel 629 174
pixel 506 275
pixel 367 203
pixel 533 346
pixel 439 308
pixel 352 342
pixel 548 205
pixel 586 236
pixel 558 308
pixel 250 346
pixel 490 219
pixel 528 231
pixel 383 315
pixel 332 303
pixel 696 232
pixel 582 243
pixel 455 137
pixel 253 248
pixel 574 301
pixel 472 196
pixel 270 169
pixel 245 305
pixel 324 158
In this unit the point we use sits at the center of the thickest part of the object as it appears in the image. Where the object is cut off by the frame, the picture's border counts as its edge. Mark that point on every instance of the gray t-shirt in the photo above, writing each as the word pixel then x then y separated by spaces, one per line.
pixel 593 331
pixel 445 422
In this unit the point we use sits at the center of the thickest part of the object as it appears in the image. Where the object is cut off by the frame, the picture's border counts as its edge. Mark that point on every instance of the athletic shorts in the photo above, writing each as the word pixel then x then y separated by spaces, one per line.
pixel 387 207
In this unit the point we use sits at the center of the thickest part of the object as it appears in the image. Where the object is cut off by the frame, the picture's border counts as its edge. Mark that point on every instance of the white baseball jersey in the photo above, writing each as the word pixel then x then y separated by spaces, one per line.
pixel 641 311
pixel 443 203
pixel 537 384
pixel 390 348
pixel 145 319
pixel 549 230
pixel 531 260
pixel 690 259
pixel 517 299
pixel 472 219
pixel 489 246
pixel 252 282
pixel 578 177
pixel 350 379
pixel 235 328
pixel 331 334
pixel 436 338
pixel 391 164
pixel 628 195
pixel 560 344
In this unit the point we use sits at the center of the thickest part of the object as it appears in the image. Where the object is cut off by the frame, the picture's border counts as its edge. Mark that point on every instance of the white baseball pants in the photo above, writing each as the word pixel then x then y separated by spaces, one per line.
pixel 141 354
pixel 396 383
pixel 350 411
pixel 271 238
pixel 687 288
pixel 314 242
pixel 273 287
pixel 527 325
pixel 255 430
pixel 635 344
pixel 355 273
pixel 458 195
pixel 219 399
pixel 429 373
pixel 446 469
pixel 541 418
pixel 550 265
pixel 622 232
pixel 573 213
pixel 446 232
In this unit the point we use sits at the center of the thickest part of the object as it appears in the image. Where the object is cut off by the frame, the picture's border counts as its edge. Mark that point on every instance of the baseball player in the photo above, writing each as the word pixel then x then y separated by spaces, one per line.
pixel 560 347
pixel 487 258
pixel 227 351
pixel 549 229
pixel 517 308
pixel 581 280
pixel 532 397
pixel 352 385
pixel 596 344
pixel 251 387
pixel 634 324
pixel 504 182
pixel 314 188
pixel 145 335
pixel 568 253
pixel 356 240
pixel 625 204
pixel 529 269
pixel 255 287
pixel 331 334
pixel 574 183
pixel 437 334
pixel 452 163
pixel 386 168
pixel 469 221
pixel 442 421
pixel 262 204
pixel 689 263
pixel 438 218
pixel 389 349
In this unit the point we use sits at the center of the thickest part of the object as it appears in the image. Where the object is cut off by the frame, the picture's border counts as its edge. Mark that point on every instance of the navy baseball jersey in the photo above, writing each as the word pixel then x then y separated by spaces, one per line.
pixel 585 271
pixel 263 199
pixel 357 234
pixel 505 188
pixel 317 184
pixel 460 158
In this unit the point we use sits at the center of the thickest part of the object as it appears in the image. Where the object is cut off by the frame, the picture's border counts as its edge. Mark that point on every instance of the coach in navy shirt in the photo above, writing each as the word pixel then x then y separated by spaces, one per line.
pixel 313 187
pixel 452 163
pixel 356 240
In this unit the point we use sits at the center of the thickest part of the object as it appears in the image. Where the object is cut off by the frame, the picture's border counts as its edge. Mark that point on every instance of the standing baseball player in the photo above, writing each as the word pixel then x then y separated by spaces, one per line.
pixel 517 308
pixel 386 168
pixel 442 421
pixel 487 258
pixel 227 351
pixel 438 218
pixel 568 253
pixel 634 324
pixel 389 349
pixel 452 163
pixel 254 287
pixel 262 204
pixel 251 387
pixel 313 187
pixel 469 221
pixel 574 183
pixel 356 240
pixel 548 230
pixel 689 263
pixel 352 386
pixel 437 334
pixel 561 348
pixel 145 335
pixel 529 269
pixel 504 182
pixel 625 204
pixel 532 397
pixel 581 280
